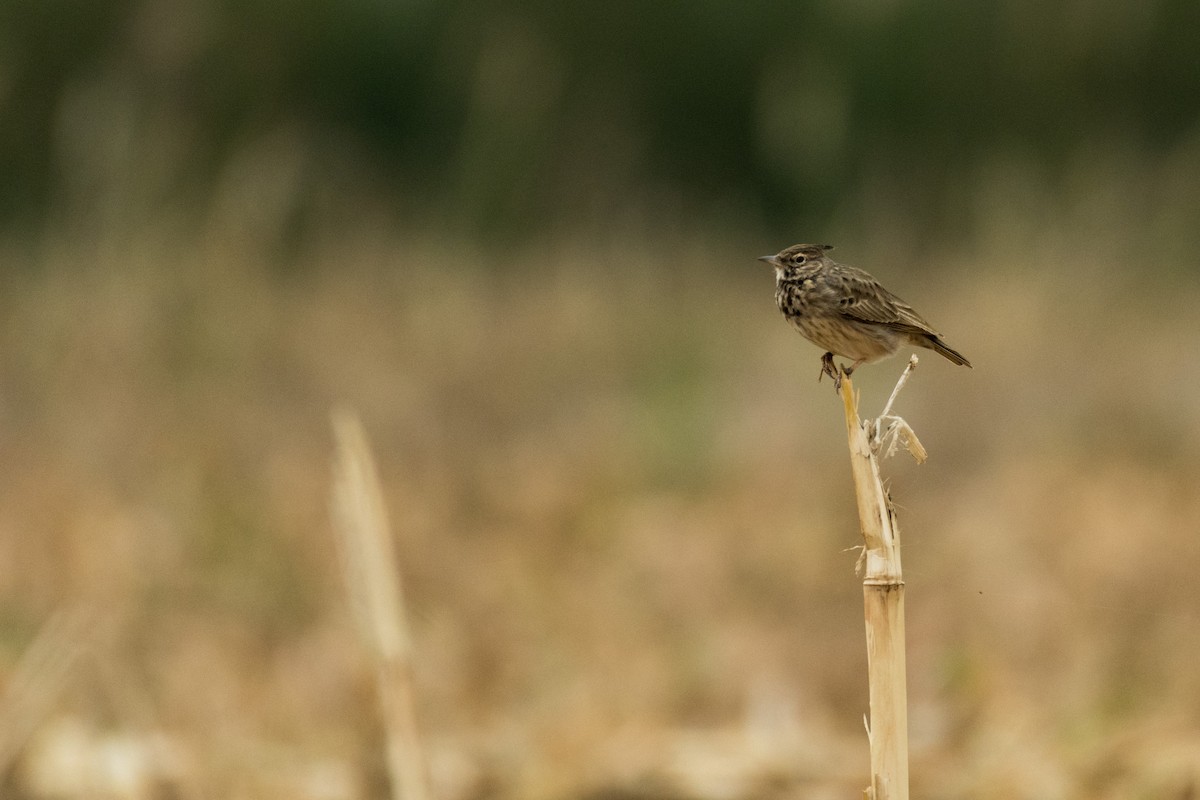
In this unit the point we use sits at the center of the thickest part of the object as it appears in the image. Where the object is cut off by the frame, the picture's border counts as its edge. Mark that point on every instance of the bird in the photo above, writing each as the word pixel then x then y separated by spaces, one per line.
pixel 843 310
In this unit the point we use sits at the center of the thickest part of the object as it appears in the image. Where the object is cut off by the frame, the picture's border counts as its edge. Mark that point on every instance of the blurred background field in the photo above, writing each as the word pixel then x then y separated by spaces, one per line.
pixel 519 239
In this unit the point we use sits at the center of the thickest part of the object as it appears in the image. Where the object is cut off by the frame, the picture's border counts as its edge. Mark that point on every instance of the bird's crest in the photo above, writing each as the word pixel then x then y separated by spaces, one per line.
pixel 799 253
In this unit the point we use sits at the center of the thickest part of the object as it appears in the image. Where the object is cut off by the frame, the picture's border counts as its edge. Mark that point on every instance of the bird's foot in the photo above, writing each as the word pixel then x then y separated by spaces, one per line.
pixel 837 371
pixel 830 369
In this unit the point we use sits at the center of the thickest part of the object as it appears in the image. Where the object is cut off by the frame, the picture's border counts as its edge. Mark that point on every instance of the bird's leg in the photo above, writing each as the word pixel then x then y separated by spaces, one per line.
pixel 843 371
pixel 830 369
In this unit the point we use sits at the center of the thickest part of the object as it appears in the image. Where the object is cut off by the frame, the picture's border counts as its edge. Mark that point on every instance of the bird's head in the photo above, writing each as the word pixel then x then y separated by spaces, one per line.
pixel 788 263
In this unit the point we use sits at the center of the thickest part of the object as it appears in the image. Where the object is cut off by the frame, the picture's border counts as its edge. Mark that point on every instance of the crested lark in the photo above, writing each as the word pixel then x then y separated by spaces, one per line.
pixel 846 312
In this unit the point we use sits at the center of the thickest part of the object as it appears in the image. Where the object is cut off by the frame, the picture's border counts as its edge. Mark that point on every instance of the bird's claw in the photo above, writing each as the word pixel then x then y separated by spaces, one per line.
pixel 830 369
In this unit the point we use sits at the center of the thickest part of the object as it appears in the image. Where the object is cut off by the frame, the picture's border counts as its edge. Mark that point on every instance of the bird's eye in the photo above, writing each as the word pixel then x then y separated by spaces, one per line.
pixel 800 259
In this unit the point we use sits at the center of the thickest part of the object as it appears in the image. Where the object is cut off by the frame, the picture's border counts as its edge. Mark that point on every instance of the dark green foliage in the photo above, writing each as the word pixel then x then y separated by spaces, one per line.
pixel 514 117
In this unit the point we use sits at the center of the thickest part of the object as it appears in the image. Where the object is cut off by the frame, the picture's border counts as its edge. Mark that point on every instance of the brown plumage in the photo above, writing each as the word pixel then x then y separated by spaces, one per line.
pixel 845 311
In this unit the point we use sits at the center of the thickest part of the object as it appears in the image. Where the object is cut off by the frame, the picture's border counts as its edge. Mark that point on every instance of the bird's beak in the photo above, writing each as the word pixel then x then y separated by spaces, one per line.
pixel 772 260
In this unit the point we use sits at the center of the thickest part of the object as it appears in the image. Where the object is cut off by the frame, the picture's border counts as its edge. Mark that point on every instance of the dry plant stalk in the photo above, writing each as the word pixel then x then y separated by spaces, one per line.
pixel 373 583
pixel 883 590
pixel 39 678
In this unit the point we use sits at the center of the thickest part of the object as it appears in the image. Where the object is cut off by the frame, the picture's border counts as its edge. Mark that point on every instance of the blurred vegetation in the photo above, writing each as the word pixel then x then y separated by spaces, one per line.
pixel 518 239
pixel 506 120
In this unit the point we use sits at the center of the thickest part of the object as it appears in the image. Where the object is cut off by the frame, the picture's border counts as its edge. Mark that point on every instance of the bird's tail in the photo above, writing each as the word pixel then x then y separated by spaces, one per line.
pixel 938 346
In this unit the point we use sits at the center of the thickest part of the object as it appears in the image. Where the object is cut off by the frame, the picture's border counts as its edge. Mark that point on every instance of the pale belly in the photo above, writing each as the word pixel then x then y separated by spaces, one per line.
pixel 847 338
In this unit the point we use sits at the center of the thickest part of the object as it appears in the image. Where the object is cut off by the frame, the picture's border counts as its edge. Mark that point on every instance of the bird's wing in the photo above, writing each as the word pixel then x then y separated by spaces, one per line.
pixel 862 298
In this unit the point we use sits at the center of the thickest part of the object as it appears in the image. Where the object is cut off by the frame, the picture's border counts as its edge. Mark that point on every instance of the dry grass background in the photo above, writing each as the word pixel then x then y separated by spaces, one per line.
pixel 622 510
